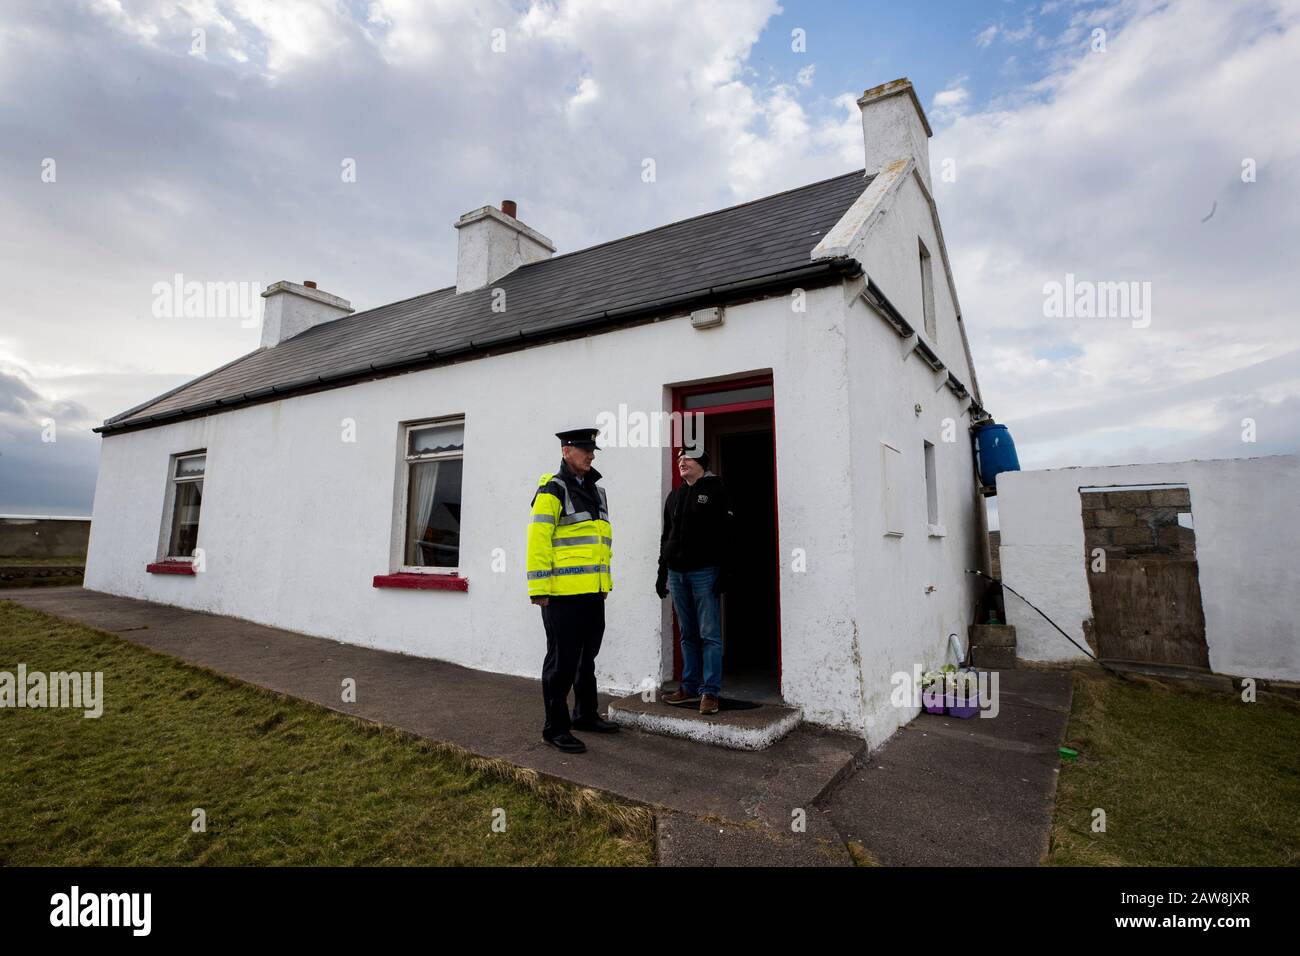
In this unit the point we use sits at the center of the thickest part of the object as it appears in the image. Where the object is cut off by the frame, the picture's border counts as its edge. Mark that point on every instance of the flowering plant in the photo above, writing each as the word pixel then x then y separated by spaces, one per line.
pixel 939 676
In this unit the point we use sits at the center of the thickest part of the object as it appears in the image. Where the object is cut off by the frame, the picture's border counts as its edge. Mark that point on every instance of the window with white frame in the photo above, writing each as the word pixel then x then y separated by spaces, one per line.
pixel 186 502
pixel 891 490
pixel 931 489
pixel 927 293
pixel 434 452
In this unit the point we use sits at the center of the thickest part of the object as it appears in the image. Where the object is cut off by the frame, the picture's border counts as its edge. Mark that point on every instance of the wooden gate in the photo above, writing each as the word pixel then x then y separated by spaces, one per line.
pixel 1143 575
pixel 1149 610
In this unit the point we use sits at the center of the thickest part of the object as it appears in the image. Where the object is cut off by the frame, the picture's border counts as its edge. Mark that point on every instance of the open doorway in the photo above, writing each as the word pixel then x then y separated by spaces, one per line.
pixel 738 434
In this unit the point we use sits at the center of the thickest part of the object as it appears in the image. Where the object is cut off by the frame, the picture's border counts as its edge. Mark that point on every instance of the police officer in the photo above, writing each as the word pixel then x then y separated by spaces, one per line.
pixel 569 548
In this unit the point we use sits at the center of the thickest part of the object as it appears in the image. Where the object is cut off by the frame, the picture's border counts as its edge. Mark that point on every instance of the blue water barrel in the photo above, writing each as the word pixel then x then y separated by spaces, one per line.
pixel 997 452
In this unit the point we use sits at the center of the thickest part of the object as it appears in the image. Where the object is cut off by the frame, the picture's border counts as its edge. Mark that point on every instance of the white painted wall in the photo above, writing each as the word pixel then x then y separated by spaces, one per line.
pixel 1246 513
pixel 892 258
pixel 900 623
pixel 296 522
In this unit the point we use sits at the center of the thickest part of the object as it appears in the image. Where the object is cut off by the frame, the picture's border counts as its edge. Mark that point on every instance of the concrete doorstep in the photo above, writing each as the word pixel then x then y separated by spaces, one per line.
pixel 799 801
pixel 756 727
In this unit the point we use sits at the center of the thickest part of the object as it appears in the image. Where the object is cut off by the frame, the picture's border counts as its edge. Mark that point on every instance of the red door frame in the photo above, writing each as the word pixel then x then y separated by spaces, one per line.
pixel 726 385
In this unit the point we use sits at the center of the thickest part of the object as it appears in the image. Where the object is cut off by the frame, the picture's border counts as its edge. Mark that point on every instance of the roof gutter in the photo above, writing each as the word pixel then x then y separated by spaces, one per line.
pixel 876 298
pixel 824 271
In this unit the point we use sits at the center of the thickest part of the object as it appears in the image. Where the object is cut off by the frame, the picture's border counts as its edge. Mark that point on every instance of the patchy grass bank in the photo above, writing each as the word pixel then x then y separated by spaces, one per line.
pixel 1187 776
pixel 281 781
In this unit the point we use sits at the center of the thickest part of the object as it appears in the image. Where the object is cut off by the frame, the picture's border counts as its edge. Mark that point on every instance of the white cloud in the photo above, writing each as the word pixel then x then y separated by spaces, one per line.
pixel 950 102
pixel 1019 35
pixel 1105 171
pixel 49 455
pixel 949 98
pixel 229 170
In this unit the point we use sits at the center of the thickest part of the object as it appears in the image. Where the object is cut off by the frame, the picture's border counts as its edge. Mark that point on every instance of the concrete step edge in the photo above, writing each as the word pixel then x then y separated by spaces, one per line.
pixel 708 732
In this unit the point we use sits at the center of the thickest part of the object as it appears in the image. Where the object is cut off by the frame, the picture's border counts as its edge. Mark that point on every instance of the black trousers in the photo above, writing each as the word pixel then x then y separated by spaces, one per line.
pixel 575 624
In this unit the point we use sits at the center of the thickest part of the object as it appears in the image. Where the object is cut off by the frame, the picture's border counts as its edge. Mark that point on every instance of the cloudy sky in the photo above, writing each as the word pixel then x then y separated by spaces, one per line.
pixel 1149 142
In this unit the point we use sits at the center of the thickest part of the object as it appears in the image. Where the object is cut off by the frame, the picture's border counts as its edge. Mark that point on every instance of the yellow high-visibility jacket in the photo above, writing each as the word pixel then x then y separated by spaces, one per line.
pixel 569 551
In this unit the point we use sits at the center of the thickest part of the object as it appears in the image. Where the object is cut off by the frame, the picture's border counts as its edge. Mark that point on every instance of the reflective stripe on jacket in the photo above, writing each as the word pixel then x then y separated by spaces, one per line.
pixel 569 550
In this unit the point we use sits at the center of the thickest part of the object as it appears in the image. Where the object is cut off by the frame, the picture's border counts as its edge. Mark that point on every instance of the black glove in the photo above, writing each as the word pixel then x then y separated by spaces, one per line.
pixel 719 584
pixel 661 587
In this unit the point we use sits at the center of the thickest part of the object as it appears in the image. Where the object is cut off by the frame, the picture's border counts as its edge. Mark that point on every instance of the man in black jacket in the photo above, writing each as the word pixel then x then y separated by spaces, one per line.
pixel 694 559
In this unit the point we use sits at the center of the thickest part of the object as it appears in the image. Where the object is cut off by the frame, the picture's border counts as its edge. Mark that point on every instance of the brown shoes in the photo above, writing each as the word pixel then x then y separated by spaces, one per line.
pixel 708 703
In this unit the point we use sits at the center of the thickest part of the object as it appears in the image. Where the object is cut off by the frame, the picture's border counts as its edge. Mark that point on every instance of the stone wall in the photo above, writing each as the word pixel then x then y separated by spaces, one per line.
pixel 1142 523
pixel 36 537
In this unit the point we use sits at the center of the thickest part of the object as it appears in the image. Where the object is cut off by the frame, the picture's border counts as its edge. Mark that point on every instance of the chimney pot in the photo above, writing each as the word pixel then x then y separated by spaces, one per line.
pixel 492 243
pixel 291 309
pixel 310 283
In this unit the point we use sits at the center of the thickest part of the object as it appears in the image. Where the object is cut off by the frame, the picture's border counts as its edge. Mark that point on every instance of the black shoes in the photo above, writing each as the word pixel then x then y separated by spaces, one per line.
pixel 567 742
pixel 571 744
pixel 597 725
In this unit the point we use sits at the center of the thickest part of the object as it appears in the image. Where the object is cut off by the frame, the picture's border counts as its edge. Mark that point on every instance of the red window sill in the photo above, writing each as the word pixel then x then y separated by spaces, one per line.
pixel 422 582
pixel 170 567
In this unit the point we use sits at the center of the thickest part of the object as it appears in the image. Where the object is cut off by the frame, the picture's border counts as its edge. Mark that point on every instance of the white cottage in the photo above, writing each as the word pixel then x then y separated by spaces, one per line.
pixel 366 477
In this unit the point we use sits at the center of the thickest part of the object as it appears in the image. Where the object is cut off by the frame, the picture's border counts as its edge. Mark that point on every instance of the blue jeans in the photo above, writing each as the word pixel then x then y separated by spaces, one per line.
pixel 699 618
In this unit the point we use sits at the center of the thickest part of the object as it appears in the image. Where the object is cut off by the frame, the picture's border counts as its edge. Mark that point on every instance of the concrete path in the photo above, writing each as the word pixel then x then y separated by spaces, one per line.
pixel 977 792
pixel 991 779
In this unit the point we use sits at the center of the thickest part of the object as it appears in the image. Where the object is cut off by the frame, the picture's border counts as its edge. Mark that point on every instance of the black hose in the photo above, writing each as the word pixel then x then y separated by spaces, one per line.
pixel 1044 616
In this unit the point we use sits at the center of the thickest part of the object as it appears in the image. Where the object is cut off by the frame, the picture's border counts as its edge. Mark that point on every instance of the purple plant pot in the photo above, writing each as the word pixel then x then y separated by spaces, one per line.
pixel 970 706
pixel 932 699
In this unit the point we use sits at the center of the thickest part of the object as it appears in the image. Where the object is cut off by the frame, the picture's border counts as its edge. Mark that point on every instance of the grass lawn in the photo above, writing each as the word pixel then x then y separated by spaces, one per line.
pixel 281 781
pixel 1187 776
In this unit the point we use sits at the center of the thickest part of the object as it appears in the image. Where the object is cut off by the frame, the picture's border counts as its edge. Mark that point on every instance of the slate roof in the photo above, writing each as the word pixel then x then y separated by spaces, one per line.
pixel 662 269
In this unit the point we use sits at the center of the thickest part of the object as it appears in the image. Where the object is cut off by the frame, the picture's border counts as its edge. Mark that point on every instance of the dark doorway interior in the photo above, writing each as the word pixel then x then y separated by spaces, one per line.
pixel 741 446
pixel 749 609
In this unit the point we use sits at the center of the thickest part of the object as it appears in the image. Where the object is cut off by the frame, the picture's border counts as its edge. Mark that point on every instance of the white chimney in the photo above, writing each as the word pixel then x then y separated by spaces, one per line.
pixel 492 243
pixel 292 308
pixel 894 127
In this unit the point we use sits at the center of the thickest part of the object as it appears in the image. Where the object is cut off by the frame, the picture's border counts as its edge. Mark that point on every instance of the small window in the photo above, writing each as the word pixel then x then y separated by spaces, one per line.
pixel 927 292
pixel 891 489
pixel 931 489
pixel 187 501
pixel 434 454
